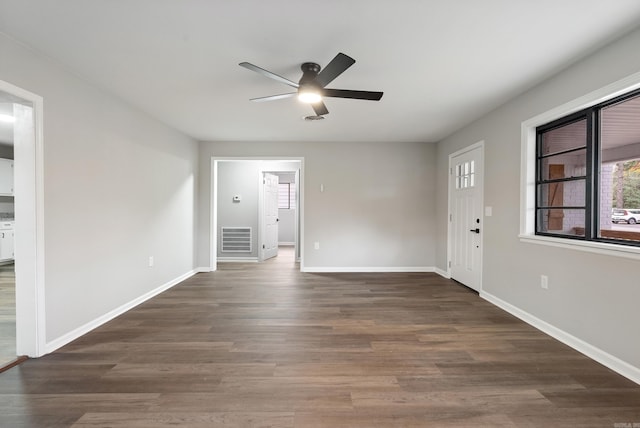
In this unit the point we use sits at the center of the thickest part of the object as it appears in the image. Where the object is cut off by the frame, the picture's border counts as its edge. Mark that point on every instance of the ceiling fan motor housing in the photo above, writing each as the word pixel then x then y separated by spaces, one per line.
pixel 307 82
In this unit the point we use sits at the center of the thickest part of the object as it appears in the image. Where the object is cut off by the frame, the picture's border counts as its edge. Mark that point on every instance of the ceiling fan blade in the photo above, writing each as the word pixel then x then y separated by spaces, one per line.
pixel 268 74
pixel 320 108
pixel 274 97
pixel 358 95
pixel 335 68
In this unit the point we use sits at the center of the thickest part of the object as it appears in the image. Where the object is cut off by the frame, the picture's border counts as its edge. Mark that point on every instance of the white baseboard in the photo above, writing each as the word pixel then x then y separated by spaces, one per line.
pixel 203 269
pixel 597 354
pixel 237 260
pixel 84 329
pixel 367 269
pixel 442 273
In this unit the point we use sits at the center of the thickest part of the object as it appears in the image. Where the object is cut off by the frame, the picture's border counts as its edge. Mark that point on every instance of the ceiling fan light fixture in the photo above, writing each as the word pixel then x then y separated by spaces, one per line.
pixel 309 96
pixel 312 86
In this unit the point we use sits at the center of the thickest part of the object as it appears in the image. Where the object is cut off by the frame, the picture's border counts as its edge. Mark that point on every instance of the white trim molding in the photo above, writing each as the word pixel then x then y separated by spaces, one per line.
pixel 443 273
pixel 237 260
pixel 86 328
pixel 528 170
pixel 605 248
pixel 376 269
pixel 29 225
pixel 597 354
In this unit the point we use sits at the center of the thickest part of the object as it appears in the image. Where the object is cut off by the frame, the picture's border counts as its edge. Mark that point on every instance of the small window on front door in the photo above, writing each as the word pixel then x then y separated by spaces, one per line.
pixel 465 175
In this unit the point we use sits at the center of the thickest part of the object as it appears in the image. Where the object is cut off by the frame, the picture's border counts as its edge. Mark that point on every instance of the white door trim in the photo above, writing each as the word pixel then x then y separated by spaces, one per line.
pixel 29 232
pixel 479 144
pixel 213 234
pixel 296 233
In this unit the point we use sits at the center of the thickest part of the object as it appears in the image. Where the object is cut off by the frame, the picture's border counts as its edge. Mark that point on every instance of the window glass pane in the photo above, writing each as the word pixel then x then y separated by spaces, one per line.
pixel 564 166
pixel 561 221
pixel 283 196
pixel 565 194
pixel 620 171
pixel 465 175
pixel 567 137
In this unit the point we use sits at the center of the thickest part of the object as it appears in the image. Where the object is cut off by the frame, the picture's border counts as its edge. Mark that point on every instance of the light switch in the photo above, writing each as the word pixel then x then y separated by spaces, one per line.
pixel 488 211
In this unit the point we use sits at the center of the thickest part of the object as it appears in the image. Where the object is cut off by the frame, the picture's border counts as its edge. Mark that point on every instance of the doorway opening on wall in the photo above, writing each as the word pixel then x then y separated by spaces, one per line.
pixel 21 225
pixel 257 210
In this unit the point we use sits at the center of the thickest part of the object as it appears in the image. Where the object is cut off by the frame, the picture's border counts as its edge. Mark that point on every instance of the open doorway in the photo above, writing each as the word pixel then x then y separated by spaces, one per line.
pixel 21 225
pixel 249 223
pixel 8 350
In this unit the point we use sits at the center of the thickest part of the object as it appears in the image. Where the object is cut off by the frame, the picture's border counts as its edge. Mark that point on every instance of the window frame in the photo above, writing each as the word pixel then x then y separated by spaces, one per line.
pixel 291 205
pixel 599 98
pixel 588 177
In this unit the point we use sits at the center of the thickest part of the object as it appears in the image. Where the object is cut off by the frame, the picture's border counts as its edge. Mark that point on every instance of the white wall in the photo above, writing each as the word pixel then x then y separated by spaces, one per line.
pixel 592 297
pixel 242 179
pixel 376 210
pixel 119 187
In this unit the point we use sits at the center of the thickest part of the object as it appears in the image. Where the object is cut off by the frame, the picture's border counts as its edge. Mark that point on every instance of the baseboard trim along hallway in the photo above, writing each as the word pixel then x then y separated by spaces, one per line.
pixel 597 354
pixel 84 329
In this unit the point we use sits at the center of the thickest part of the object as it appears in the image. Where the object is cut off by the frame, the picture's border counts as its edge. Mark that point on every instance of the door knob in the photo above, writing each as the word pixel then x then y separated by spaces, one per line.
pixel 476 230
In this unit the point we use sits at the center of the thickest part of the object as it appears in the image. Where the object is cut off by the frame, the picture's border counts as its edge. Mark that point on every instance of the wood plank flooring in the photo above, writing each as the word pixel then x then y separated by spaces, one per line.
pixel 262 345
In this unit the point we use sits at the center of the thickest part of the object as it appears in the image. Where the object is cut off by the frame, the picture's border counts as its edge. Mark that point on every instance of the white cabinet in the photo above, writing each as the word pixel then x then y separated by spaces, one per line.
pixel 6 177
pixel 6 241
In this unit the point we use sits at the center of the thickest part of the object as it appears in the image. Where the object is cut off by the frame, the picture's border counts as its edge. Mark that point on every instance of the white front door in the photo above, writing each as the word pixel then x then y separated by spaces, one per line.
pixel 270 241
pixel 465 216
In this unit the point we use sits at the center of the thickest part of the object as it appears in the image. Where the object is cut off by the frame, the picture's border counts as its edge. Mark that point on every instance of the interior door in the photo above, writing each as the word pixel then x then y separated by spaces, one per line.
pixel 297 230
pixel 465 209
pixel 270 241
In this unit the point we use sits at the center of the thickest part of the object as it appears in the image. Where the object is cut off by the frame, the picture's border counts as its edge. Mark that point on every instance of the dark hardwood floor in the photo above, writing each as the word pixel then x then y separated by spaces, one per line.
pixel 262 345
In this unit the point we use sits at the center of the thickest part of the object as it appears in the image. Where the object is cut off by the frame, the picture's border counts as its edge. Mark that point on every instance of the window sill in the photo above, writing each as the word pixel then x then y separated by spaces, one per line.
pixel 587 246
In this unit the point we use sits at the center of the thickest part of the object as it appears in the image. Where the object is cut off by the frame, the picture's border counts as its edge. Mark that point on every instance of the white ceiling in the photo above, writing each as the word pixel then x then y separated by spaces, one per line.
pixel 441 63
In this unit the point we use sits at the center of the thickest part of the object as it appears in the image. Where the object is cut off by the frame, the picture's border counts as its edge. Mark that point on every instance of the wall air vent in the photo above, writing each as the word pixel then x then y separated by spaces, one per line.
pixel 236 239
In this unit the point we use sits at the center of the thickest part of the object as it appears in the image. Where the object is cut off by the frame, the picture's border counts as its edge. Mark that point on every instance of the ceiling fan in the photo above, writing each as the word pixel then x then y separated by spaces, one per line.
pixel 312 85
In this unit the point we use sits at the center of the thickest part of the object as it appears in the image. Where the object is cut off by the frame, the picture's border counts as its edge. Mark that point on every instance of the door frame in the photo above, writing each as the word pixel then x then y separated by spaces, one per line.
pixel 480 145
pixel 29 232
pixel 213 226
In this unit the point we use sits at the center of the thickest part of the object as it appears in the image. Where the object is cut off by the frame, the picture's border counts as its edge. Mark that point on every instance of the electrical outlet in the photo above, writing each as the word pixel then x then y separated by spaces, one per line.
pixel 316 245
pixel 150 261
pixel 544 282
